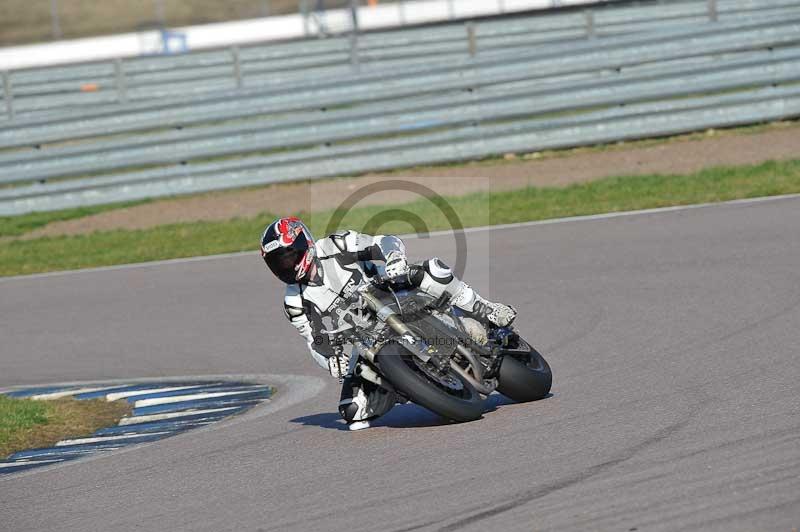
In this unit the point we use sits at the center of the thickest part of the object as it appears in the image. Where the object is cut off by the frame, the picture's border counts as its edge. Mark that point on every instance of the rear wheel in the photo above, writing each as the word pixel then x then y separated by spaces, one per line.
pixel 524 376
pixel 450 396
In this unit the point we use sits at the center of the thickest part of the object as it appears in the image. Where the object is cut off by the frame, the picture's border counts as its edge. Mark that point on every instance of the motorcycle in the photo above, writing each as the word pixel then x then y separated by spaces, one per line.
pixel 431 354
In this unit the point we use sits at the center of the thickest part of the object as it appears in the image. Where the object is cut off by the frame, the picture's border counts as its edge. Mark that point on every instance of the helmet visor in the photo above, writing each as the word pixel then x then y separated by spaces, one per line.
pixel 284 261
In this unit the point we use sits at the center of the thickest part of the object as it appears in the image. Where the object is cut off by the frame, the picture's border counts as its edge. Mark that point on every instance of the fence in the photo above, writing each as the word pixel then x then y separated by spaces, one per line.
pixel 683 77
pixel 154 37
pixel 86 87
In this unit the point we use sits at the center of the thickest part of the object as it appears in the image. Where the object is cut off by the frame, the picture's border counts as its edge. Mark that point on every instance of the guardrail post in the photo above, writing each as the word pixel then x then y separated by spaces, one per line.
pixel 305 14
pixel 472 45
pixel 712 10
pixel 401 11
pixel 119 80
pixel 590 30
pixel 237 66
pixel 354 35
pixel 501 6
pixel 8 96
pixel 451 10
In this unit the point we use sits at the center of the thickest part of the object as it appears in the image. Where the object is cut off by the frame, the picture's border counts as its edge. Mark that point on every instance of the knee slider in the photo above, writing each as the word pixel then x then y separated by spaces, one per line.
pixel 348 411
pixel 438 270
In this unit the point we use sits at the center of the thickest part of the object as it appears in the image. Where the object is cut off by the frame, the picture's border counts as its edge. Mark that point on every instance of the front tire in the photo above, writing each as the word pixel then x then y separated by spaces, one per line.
pixel 402 371
pixel 525 377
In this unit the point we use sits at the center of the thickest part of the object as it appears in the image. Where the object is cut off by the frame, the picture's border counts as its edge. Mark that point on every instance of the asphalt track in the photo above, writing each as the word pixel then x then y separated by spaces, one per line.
pixel 674 339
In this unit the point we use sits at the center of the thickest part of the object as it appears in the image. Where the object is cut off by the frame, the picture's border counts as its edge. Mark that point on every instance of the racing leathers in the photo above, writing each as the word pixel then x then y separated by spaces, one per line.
pixel 346 258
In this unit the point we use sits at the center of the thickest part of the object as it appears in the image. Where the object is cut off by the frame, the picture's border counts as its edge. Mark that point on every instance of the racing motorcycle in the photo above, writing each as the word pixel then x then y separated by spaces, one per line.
pixel 431 354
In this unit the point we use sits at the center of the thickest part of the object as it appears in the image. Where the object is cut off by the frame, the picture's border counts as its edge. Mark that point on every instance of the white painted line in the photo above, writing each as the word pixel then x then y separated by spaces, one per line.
pixel 170 415
pixel 124 395
pixel 20 463
pixel 192 397
pixel 66 393
pixel 102 439
pixel 570 219
pixel 135 265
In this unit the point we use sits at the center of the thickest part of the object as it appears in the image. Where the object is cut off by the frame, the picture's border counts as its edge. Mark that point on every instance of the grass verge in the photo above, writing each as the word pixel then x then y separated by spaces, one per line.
pixel 606 195
pixel 28 424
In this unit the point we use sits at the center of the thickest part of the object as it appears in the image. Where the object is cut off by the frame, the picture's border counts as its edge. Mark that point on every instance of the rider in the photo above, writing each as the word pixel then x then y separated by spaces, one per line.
pixel 319 274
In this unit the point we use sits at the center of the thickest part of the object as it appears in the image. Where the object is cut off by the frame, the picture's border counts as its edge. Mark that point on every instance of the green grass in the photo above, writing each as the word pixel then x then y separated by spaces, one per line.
pixel 17 416
pixel 651 191
pixel 19 225
pixel 27 424
pixel 606 195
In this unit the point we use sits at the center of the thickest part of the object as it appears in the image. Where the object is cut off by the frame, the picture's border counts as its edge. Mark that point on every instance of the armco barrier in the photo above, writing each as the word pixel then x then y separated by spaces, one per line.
pixel 679 78
pixel 46 91
pixel 491 141
pixel 768 69
pixel 541 63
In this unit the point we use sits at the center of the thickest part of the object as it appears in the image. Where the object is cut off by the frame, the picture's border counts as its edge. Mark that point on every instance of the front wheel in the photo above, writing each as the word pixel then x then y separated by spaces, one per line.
pixel 524 376
pixel 451 396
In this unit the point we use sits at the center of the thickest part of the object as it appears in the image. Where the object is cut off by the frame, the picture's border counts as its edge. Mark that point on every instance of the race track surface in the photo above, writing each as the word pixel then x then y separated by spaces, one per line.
pixel 675 345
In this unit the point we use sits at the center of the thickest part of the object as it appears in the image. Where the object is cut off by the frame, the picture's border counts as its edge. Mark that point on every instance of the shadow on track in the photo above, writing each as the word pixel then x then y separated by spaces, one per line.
pixel 404 416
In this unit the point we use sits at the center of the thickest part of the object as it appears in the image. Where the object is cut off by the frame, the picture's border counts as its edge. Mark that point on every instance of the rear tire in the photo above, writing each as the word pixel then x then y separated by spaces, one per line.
pixel 525 378
pixel 401 370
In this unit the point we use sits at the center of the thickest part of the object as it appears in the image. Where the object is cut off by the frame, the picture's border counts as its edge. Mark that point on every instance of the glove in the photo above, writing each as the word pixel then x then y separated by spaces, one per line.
pixel 339 366
pixel 396 265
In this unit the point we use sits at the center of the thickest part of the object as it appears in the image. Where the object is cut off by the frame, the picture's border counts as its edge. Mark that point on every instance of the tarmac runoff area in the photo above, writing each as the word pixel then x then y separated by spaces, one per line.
pixel 673 338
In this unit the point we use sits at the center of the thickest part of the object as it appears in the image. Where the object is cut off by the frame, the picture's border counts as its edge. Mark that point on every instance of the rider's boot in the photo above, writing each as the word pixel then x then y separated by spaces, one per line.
pixel 362 402
pixel 359 425
pixel 486 312
pixel 497 314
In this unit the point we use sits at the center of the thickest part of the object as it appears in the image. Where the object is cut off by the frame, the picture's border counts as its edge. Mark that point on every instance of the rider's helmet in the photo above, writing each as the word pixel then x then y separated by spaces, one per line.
pixel 288 249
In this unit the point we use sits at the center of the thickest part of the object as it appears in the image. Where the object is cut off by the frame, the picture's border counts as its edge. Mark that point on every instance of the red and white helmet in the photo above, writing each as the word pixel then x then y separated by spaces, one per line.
pixel 287 248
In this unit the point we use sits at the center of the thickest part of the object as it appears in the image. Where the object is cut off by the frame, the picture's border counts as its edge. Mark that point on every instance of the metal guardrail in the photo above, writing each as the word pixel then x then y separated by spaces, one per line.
pixel 557 95
pixel 475 130
pixel 38 91
pixel 447 148
pixel 293 56
pixel 602 15
pixel 543 63
pixel 763 70
pixel 52 104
